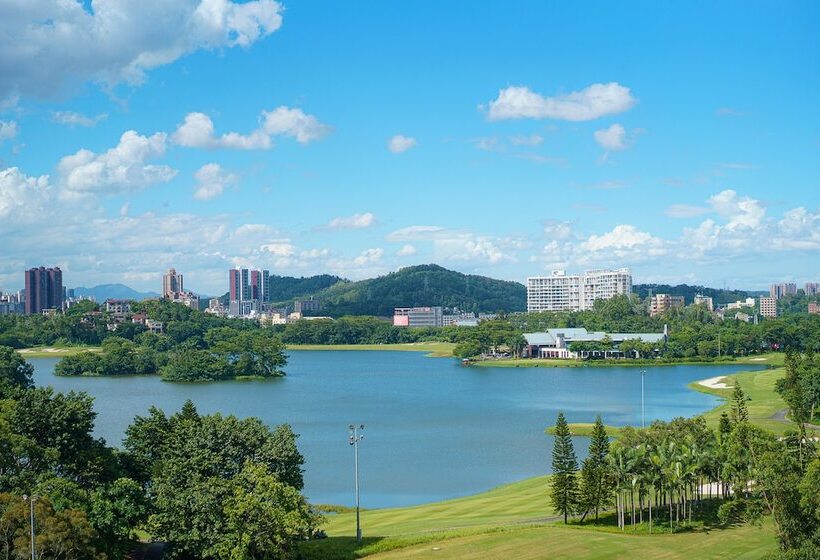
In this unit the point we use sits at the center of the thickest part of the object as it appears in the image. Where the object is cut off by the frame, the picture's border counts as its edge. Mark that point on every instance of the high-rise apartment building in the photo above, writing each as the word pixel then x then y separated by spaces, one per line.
pixel 661 303
pixel 768 306
pixel 812 288
pixel 562 292
pixel 248 291
pixel 172 284
pixel 44 289
pixel 777 291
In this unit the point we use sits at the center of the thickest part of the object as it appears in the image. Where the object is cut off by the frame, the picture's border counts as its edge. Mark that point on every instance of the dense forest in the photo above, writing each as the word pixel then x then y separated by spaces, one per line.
pixel 424 285
pixel 719 297
pixel 213 487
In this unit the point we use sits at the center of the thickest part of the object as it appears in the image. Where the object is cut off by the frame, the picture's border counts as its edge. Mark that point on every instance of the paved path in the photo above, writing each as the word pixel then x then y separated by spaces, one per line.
pixel 780 416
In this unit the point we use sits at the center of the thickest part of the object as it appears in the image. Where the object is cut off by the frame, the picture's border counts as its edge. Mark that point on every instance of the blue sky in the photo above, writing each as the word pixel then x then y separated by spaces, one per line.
pixel 500 139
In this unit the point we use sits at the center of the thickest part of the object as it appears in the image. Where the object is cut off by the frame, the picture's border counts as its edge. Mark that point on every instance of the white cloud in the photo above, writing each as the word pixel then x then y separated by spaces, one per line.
pixel 400 143
pixel 457 246
pixel 8 130
pixel 414 232
pixel 741 212
pixel 612 139
pixel 685 211
pixel 212 181
pixel 406 251
pixel 592 102
pixel 488 144
pixel 622 241
pixel 197 131
pixel 558 230
pixel 22 197
pixel 531 140
pixel 369 256
pixel 72 118
pixel 356 221
pixel 280 248
pixel 121 169
pixel 46 45
pixel 294 122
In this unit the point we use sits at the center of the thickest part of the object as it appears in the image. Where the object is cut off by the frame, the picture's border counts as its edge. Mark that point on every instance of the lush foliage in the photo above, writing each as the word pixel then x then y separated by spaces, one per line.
pixel 800 388
pixel 214 487
pixel 422 286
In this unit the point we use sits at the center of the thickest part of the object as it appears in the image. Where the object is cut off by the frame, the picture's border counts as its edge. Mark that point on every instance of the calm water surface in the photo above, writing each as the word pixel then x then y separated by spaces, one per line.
pixel 434 429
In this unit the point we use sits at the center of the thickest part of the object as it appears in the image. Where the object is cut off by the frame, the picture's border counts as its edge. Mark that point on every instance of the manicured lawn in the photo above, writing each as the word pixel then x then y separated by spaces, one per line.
pixel 585 429
pixel 56 351
pixel 435 349
pixel 763 401
pixel 554 541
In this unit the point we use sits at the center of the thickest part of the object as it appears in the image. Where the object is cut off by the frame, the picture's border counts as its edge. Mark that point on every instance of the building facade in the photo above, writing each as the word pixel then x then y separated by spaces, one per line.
pixel 812 288
pixel 562 292
pixel 249 291
pixel 777 291
pixel 661 303
pixel 418 317
pixel 44 289
pixel 768 306
pixel 172 283
pixel 706 301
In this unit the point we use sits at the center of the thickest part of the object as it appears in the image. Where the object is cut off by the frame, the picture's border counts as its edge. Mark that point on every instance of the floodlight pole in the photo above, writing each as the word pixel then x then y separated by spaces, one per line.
pixel 354 439
pixel 31 500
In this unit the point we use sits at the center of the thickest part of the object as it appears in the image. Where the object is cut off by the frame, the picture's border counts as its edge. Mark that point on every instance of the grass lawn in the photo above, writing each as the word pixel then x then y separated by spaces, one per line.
pixel 56 351
pixel 434 349
pixel 763 401
pixel 585 429
pixel 576 543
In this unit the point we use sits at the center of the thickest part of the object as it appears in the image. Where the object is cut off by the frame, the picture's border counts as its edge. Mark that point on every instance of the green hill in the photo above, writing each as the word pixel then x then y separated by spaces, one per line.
pixel 422 285
pixel 720 297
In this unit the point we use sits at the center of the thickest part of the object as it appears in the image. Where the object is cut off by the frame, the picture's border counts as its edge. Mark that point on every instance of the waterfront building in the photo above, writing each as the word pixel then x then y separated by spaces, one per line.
pixel 705 301
pixel 555 343
pixel 661 303
pixel 418 317
pixel 562 292
pixel 768 306
pixel 777 291
pixel 44 289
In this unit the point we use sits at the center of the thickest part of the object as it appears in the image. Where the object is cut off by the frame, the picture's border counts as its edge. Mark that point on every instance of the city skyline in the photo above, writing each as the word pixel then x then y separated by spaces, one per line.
pixel 307 139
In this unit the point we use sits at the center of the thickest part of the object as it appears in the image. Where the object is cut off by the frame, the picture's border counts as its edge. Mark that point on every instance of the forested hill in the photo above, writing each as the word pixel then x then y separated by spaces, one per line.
pixel 285 288
pixel 719 297
pixel 422 286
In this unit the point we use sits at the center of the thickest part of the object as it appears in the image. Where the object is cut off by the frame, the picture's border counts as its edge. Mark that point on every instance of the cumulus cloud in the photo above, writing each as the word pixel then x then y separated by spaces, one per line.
pixel 369 256
pixel 612 138
pixel 592 102
pixel 356 221
pixel 400 143
pixel 72 118
pixel 121 169
pixel 406 250
pixel 197 131
pixel 741 212
pixel 212 181
pixel 8 130
pixel 46 45
pixel 624 240
pixel 21 197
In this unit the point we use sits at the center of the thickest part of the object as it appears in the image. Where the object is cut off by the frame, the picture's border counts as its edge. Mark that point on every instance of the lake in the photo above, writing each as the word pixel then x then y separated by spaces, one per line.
pixel 433 428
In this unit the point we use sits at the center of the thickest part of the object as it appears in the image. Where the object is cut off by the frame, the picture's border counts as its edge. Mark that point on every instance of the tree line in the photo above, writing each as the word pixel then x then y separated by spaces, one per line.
pixel 212 486
pixel 674 475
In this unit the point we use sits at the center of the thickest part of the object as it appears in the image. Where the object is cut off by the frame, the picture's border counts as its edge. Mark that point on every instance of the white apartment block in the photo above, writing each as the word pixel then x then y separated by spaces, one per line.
pixel 578 292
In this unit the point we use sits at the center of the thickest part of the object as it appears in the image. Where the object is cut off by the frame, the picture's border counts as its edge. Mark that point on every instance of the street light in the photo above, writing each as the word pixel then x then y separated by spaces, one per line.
pixel 31 500
pixel 643 416
pixel 354 439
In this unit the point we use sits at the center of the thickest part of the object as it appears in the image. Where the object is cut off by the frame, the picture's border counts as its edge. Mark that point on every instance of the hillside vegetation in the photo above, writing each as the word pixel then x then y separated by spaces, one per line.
pixel 421 286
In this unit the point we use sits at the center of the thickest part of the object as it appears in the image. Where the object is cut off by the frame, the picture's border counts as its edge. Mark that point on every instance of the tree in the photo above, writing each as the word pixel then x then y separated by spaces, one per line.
pixel 14 370
pixel 264 518
pixel 564 484
pixel 740 413
pixel 594 478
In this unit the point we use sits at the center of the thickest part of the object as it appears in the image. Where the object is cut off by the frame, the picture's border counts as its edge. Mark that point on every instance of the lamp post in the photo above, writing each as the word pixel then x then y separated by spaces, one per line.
pixel 354 439
pixel 643 415
pixel 31 500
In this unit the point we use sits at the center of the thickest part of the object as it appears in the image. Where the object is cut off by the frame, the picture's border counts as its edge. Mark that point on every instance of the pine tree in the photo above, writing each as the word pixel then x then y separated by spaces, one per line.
pixel 594 480
pixel 564 492
pixel 740 414
pixel 724 427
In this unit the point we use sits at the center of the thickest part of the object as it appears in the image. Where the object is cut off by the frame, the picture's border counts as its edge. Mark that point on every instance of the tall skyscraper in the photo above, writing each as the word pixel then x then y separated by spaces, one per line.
pixel 44 289
pixel 248 290
pixel 560 292
pixel 171 284
pixel 777 291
